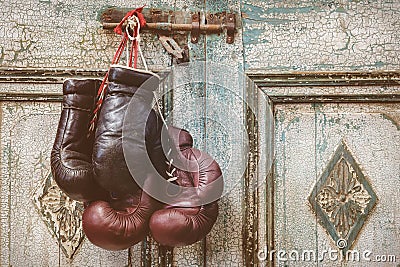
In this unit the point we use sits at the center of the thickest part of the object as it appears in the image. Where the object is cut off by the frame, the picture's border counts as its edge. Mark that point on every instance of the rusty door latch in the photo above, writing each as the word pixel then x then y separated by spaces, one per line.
pixel 164 22
pixel 171 46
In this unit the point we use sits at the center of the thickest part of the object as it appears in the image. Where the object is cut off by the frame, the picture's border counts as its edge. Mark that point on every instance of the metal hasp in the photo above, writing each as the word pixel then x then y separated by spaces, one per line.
pixel 195 32
pixel 230 28
pixel 166 22
pixel 171 46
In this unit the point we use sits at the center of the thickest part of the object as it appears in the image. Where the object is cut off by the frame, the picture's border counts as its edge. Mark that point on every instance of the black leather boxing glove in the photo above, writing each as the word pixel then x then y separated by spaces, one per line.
pixel 145 127
pixel 190 215
pixel 123 221
pixel 71 156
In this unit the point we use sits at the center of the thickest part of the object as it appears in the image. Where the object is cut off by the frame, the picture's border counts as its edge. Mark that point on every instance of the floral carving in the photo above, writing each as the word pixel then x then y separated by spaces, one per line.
pixel 62 215
pixel 342 198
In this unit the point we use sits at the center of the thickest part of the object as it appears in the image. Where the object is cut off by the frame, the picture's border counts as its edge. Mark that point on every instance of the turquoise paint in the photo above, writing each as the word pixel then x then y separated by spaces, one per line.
pixel 379 64
pixel 295 120
pixel 254 36
pixel 215 6
pixel 277 22
pixel 340 10
pixel 352 126
pixel 334 120
pixel 292 10
pixel 322 147
pixel 254 13
pixel 252 10
pixel 271 21
pixel 280 117
pixel 317 107
pixel 346 46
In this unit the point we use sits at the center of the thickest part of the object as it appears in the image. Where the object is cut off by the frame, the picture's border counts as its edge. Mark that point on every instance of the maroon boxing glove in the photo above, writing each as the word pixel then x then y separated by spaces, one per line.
pixel 119 223
pixel 192 213
pixel 71 156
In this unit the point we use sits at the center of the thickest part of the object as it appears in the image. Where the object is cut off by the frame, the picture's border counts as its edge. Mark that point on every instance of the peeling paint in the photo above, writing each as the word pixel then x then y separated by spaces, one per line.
pixel 311 35
pixel 290 10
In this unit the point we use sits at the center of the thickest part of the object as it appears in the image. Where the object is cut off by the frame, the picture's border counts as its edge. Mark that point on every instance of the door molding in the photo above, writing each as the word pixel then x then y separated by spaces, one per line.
pixel 301 87
pixel 285 88
pixel 304 82
pixel 260 77
pixel 324 78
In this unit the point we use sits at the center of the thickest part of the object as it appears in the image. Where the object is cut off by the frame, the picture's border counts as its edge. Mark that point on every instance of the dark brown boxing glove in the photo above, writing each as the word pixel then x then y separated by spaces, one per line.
pixel 109 161
pixel 71 156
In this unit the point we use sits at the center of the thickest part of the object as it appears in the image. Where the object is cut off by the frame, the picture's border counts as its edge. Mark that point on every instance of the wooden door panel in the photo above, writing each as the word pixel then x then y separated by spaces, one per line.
pixel 29 231
pixel 307 138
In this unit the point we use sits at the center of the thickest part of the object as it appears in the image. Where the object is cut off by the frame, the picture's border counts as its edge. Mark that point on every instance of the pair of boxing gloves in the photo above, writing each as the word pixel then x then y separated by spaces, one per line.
pixel 130 181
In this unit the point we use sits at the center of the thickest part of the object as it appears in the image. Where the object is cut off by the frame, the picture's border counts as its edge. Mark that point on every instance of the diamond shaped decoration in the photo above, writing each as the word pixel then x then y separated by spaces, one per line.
pixel 62 215
pixel 342 198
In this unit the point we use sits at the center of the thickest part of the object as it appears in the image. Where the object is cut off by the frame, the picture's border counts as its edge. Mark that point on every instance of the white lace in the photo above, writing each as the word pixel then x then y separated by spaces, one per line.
pixel 133 22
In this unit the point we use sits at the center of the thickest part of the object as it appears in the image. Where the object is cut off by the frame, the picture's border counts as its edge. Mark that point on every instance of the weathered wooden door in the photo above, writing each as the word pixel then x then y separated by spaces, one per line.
pixel 335 174
pixel 301 112
pixel 335 102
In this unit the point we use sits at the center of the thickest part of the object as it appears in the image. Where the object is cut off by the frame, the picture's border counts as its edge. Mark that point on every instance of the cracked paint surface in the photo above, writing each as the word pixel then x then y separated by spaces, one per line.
pixel 27 135
pixel 277 36
pixel 321 35
pixel 64 34
pixel 306 136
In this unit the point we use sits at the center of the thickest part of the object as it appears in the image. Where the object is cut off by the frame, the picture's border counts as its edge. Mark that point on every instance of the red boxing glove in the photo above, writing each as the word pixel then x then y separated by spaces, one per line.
pixel 118 224
pixel 188 219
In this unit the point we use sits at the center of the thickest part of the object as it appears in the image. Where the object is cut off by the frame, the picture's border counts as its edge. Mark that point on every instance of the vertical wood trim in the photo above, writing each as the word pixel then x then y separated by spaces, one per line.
pixel 9 200
pixel 270 216
pixel 206 6
pixel 250 226
pixel 146 252
pixel 1 166
pixel 130 257
pixel 269 188
pixel 166 255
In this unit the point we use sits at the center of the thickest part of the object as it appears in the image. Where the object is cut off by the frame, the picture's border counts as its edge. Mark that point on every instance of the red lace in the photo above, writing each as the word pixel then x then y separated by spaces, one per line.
pixel 133 56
